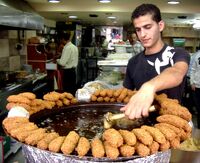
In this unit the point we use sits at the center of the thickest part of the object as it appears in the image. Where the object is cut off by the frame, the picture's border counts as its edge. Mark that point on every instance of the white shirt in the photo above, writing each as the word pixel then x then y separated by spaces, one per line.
pixel 110 46
pixel 195 71
pixel 69 56
pixel 192 58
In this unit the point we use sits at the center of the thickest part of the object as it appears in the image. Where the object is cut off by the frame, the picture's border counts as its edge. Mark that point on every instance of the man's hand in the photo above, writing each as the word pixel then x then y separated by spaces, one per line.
pixel 140 103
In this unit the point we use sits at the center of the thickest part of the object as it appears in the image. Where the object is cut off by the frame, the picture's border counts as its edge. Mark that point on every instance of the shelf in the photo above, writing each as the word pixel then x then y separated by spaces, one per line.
pixel 186 37
pixel 114 63
pixel 187 32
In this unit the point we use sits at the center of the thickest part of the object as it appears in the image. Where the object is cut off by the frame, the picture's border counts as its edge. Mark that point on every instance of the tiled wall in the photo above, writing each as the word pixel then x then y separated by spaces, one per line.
pixel 12 59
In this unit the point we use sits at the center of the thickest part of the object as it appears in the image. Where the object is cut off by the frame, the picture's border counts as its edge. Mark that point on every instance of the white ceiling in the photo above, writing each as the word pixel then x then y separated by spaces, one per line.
pixel 122 9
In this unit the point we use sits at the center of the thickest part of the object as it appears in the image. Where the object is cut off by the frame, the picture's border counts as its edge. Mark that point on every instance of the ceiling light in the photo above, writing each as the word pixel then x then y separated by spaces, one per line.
pixel 54 1
pixel 111 17
pixel 104 1
pixel 173 2
pixel 196 26
pixel 72 17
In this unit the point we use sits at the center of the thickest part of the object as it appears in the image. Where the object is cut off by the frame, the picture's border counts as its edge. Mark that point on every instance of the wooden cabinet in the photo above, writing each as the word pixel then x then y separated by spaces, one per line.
pixel 191 36
pixel 40 58
pixel 36 56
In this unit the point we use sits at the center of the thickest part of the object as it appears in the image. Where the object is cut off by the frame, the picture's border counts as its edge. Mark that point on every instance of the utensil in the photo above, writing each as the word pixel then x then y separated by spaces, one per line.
pixel 120 118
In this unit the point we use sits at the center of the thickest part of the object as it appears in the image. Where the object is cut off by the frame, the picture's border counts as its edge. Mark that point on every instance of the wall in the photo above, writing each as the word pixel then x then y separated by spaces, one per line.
pixel 12 59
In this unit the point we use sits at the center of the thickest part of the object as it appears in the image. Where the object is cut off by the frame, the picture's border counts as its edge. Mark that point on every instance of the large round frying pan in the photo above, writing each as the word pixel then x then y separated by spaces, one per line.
pixel 86 119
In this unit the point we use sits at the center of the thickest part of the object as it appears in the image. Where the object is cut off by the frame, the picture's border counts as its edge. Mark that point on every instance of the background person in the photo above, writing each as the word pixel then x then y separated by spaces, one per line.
pixel 158 69
pixel 137 46
pixel 104 46
pixel 188 97
pixel 68 62
pixel 195 83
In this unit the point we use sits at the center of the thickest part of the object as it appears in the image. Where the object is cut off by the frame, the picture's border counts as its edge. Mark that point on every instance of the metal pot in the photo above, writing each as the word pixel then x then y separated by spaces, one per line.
pixel 35 155
pixel 87 120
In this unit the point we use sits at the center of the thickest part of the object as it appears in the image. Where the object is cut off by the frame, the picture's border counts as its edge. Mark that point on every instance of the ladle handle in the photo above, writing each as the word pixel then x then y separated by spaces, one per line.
pixel 117 116
pixel 122 115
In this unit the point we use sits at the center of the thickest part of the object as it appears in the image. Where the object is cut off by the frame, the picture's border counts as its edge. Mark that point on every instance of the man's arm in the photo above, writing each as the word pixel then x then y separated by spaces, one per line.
pixel 170 77
pixel 139 103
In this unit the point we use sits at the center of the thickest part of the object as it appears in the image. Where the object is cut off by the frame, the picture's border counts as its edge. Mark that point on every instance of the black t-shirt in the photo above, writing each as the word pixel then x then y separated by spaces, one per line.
pixel 141 68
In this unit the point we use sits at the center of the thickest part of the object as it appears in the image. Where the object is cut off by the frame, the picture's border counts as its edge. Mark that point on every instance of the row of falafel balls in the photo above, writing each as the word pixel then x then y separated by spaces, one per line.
pixel 50 100
pixel 171 129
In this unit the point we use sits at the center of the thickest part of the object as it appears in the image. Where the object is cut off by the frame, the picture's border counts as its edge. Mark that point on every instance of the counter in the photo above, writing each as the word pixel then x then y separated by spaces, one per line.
pixel 113 69
pixel 25 85
pixel 116 59
pixel 30 84
pixel 15 88
pixel 178 156
pixel 33 83
pixel 113 63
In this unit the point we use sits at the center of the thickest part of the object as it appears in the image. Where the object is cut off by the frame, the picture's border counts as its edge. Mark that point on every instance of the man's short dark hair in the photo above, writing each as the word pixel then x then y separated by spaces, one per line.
pixel 65 36
pixel 145 9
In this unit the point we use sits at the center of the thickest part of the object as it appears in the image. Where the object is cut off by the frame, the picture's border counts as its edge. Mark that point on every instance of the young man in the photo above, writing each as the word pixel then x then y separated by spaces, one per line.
pixel 68 63
pixel 158 69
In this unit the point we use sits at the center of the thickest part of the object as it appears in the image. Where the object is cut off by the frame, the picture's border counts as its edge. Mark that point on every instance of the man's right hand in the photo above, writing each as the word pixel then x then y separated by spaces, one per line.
pixel 140 103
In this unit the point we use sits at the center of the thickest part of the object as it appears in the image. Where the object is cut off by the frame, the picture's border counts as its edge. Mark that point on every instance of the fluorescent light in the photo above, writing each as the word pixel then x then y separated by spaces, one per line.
pixel 72 17
pixel 111 17
pixel 54 1
pixel 173 2
pixel 104 1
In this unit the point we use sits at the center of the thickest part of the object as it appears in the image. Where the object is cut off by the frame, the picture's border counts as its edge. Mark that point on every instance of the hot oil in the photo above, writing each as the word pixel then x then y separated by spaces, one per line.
pixel 86 120
pixel 86 123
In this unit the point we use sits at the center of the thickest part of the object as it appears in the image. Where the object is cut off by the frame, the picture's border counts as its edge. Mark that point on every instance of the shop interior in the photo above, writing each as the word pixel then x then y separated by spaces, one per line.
pixel 30 38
